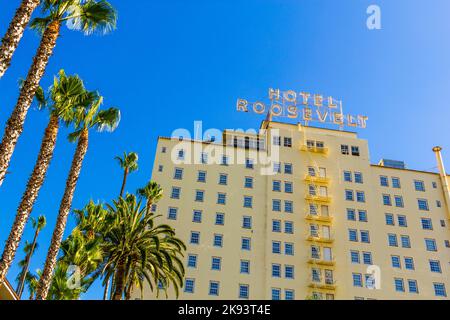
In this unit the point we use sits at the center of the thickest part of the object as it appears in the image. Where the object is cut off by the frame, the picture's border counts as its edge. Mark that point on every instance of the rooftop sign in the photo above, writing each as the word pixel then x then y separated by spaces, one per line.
pixel 304 106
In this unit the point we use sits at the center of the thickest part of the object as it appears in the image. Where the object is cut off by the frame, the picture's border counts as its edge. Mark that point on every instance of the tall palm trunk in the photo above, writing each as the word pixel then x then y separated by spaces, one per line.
pixel 27 265
pixel 124 181
pixel 30 195
pixel 14 126
pixel 64 210
pixel 119 282
pixel 15 32
pixel 105 292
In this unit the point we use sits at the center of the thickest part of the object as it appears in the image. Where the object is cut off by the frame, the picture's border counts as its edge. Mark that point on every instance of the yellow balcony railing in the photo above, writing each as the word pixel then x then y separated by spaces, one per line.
pixel 312 217
pixel 318 198
pixel 314 149
pixel 320 239
pixel 328 285
pixel 322 262
pixel 317 179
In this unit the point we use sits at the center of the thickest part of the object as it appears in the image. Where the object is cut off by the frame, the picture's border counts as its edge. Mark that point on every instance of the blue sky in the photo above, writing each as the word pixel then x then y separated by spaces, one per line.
pixel 170 63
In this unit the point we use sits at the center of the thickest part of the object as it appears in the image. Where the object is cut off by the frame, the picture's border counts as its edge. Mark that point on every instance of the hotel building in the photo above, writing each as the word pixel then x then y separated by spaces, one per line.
pixel 325 224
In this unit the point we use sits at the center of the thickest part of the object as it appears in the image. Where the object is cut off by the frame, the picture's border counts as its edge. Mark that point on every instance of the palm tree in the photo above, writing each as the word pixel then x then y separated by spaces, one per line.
pixel 129 163
pixel 152 192
pixel 66 93
pixel 85 15
pixel 15 32
pixel 38 225
pixel 139 250
pixel 32 281
pixel 84 119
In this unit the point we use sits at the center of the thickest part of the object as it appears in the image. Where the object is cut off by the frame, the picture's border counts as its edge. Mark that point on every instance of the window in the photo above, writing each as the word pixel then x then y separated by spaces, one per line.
pixel 353 235
pixel 288 168
pixel 276 140
pixel 276 185
pixel 402 221
pixel 288 206
pixel 392 240
pixel 313 209
pixel 349 195
pixel 277 167
pixel 246 244
pixel 224 160
pixel 398 201
pixel 223 179
pixel 389 219
pixel 430 244
pixel 289 249
pixel 197 216
pixel 288 187
pixel 220 219
pixel 344 149
pixel 423 204
pixel 315 252
pixel 276 270
pixel 312 190
pixel 412 286
pixel 189 286
pixel 358 177
pixel 439 290
pixel 243 291
pixel 249 163
pixel 287 142
pixel 276 226
pixel 201 177
pixel 192 261
pixel 246 222
pixel 160 168
pixel 396 183
pixel 360 196
pixel 195 237
pixel 409 263
pixel 355 151
pixel 248 182
pixel 163 150
pixel 216 263
pixel 213 288
pixel 276 294
pixel 406 243
pixel 204 158
pixel 367 258
pixel 447 243
pixel 276 205
pixel 419 185
pixel 289 294
pixel 153 208
pixel 387 200
pixel 438 204
pixel 357 280
pixel 245 266
pixel 435 266
pixel 316 275
pixel 172 214
pixel 365 238
pixel 181 154
pixel 434 185
pixel 199 195
pixel 288 227
pixel 384 182
pixel 218 240
pixel 362 214
pixel 289 272
pixel 399 285
pixel 175 193
pixel 351 216
pixel 395 262
pixel 347 176
pixel 248 201
pixel 427 224
pixel 178 174
pixel 443 223
pixel 221 198
pixel 354 256
pixel 276 247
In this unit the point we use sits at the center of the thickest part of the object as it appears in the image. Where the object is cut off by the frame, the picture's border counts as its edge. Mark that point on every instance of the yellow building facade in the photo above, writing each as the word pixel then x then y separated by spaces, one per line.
pixel 299 212
pixel 7 292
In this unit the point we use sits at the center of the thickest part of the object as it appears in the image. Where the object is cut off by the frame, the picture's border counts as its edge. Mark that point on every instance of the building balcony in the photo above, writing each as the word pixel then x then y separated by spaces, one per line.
pixel 322 262
pixel 312 217
pixel 327 285
pixel 320 239
pixel 318 198
pixel 321 150
pixel 316 179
